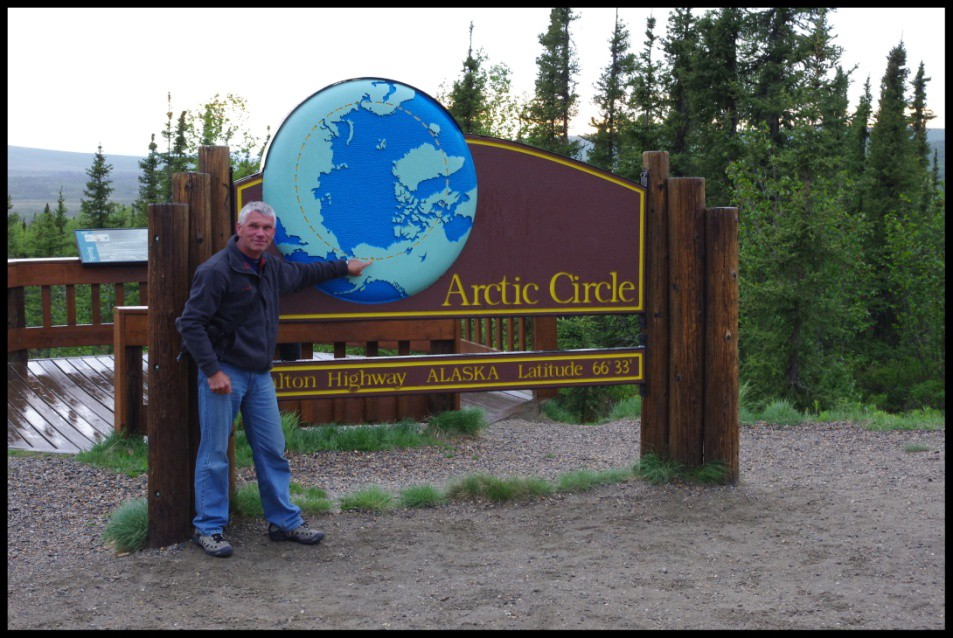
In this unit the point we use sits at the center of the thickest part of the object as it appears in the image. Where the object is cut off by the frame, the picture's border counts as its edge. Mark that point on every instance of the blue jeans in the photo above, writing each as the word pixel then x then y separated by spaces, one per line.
pixel 254 394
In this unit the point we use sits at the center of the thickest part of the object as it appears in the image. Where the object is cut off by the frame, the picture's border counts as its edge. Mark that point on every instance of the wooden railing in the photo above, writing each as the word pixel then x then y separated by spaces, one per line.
pixel 127 333
pixel 64 273
pixel 476 335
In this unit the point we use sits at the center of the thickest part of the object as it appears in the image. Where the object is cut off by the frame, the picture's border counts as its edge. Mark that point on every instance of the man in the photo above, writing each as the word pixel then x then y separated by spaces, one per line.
pixel 236 293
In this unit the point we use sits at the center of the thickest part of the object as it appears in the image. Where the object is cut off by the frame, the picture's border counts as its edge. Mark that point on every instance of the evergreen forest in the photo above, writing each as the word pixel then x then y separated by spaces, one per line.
pixel 841 210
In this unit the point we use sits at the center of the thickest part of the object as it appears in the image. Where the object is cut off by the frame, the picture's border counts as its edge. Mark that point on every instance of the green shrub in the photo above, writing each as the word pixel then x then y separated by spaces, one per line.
pixel 781 412
pixel 627 408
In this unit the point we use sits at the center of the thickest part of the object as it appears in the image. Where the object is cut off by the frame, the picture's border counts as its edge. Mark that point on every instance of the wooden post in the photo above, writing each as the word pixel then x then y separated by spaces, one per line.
pixel 686 241
pixel 545 337
pixel 655 393
pixel 217 162
pixel 16 318
pixel 437 403
pixel 194 189
pixel 721 339
pixel 127 372
pixel 169 481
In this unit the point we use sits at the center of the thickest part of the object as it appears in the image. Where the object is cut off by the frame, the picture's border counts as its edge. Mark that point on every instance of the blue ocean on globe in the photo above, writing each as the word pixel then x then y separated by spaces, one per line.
pixel 375 170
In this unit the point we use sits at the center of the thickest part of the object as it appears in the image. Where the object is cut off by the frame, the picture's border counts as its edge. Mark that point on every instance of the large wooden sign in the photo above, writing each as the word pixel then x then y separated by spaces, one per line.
pixel 551 236
pixel 456 227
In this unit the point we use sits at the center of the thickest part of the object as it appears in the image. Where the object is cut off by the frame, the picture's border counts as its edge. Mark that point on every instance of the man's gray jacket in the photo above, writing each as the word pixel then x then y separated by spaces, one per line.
pixel 221 291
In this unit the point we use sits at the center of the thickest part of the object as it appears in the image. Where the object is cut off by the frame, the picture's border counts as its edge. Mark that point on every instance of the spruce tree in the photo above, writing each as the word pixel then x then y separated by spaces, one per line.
pixel 893 183
pixel 612 100
pixel 467 100
pixel 919 119
pixel 643 130
pixel 907 248
pixel 149 185
pixel 555 100
pixel 176 158
pixel 716 85
pixel 921 116
pixel 96 211
pixel 67 245
pixel 681 51
pixel 800 275
pixel 44 241
pixel 860 133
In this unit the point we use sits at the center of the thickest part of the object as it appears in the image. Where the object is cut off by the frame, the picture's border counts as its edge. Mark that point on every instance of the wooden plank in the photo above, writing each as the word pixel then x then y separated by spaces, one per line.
pixel 103 364
pixel 61 414
pixel 18 425
pixel 83 377
pixel 50 375
pixel 15 440
pixel 64 403
pixel 42 417
pixel 36 442
pixel 93 371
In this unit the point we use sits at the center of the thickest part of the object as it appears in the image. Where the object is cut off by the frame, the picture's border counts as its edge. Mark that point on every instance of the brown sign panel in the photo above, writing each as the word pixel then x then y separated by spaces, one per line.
pixel 374 376
pixel 551 236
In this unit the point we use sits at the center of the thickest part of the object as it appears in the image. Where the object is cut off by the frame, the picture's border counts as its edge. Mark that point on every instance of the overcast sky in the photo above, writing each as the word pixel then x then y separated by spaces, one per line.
pixel 79 78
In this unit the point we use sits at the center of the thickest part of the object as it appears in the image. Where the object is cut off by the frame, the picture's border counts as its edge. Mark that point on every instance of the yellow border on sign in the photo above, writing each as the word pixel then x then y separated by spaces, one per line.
pixel 241 189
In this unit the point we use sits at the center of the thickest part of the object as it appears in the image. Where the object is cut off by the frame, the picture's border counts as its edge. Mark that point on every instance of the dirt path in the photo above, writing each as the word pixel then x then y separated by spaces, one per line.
pixel 829 527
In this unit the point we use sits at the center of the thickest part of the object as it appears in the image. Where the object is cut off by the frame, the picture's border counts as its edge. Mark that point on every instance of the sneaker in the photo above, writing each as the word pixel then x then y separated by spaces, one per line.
pixel 213 544
pixel 301 534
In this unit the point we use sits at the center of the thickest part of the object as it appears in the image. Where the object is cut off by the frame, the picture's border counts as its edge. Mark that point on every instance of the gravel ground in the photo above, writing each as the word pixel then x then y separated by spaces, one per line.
pixel 829 526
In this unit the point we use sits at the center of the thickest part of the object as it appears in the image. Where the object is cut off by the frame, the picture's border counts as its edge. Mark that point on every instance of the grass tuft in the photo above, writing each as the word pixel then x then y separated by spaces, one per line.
pixel 467 422
pixel 782 412
pixel 657 470
pixel 128 527
pixel 125 454
pixel 486 487
pixel 421 496
pixel 372 499
pixel 583 480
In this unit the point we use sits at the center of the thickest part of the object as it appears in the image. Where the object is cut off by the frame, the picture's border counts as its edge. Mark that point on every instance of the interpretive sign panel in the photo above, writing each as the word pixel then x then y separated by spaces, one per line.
pixel 112 245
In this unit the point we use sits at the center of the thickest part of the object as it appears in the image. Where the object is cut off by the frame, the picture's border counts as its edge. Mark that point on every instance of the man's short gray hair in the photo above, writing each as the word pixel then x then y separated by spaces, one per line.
pixel 255 207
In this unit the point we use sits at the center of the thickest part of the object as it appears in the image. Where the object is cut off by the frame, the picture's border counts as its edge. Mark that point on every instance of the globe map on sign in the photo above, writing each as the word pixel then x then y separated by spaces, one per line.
pixel 372 169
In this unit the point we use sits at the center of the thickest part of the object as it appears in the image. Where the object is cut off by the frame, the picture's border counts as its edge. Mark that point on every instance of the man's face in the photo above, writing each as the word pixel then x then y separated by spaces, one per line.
pixel 256 234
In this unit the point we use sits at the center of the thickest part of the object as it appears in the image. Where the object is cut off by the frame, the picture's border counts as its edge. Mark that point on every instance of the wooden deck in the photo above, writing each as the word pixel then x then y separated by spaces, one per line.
pixel 65 405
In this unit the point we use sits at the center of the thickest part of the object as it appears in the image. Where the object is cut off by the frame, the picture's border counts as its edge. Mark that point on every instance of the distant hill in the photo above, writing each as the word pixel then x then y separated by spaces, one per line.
pixel 34 176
